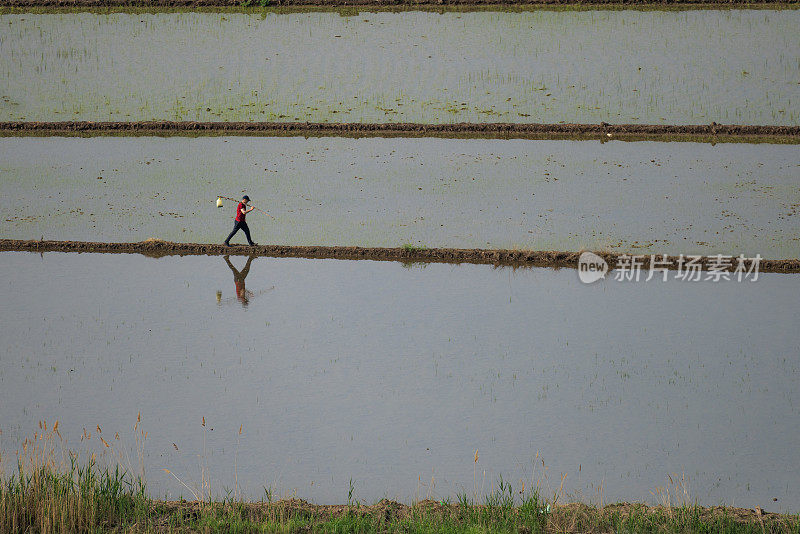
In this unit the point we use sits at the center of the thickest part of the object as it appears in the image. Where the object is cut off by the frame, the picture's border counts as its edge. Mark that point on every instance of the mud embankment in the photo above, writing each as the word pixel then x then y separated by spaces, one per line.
pixel 377 3
pixel 512 258
pixel 713 131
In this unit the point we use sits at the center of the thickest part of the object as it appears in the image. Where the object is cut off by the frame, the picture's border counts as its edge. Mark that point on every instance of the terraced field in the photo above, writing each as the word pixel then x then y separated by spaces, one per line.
pixel 540 66
pixel 522 136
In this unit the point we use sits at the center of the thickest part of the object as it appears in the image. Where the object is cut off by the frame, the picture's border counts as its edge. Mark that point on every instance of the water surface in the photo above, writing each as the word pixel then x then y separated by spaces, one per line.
pixel 644 197
pixel 394 375
pixel 656 67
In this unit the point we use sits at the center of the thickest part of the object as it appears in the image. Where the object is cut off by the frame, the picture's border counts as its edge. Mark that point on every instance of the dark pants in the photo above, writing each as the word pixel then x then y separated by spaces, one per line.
pixel 240 225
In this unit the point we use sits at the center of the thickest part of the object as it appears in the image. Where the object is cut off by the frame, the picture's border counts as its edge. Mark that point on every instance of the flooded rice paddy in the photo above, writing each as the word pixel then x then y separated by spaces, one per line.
pixel 653 67
pixel 338 380
pixel 394 375
pixel 645 197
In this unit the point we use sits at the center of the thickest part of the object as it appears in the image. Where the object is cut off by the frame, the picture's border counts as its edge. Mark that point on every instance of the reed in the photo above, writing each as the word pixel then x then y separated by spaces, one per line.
pixel 52 489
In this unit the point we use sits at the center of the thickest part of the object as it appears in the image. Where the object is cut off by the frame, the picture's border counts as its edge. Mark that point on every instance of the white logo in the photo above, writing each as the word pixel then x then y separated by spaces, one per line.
pixel 591 267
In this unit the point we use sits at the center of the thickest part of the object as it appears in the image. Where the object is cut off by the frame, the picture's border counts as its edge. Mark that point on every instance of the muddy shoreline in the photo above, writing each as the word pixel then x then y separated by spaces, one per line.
pixel 511 258
pixel 381 3
pixel 712 131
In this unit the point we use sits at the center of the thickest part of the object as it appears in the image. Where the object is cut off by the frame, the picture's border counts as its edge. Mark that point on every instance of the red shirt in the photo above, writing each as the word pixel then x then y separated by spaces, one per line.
pixel 239 215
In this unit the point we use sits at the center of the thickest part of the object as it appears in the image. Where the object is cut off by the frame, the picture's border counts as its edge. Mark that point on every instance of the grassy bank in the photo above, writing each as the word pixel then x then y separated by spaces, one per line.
pixel 89 499
pixel 54 489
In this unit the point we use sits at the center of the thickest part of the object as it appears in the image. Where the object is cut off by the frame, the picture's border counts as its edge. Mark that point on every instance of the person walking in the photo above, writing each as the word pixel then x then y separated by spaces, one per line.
pixel 241 224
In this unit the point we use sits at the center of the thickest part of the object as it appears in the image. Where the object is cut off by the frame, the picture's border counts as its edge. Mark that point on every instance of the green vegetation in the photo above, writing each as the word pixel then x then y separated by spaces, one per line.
pixel 88 499
pixel 79 499
pixel 53 490
pixel 262 3
pixel 53 75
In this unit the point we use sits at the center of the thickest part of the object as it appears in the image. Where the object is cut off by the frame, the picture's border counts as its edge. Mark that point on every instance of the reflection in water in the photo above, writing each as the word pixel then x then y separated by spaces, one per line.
pixel 365 371
pixel 242 293
pixel 238 279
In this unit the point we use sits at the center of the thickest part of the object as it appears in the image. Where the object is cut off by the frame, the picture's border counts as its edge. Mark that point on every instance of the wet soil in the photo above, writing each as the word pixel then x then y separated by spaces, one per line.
pixel 493 130
pixel 515 258
pixel 376 3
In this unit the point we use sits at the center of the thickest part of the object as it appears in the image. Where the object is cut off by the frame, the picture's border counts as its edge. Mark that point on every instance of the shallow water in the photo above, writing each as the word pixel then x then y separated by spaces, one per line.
pixel 659 67
pixel 394 375
pixel 644 197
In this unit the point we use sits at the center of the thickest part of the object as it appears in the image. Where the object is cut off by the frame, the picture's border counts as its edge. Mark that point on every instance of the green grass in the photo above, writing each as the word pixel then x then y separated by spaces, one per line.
pixel 79 499
pixel 52 490
pixel 88 499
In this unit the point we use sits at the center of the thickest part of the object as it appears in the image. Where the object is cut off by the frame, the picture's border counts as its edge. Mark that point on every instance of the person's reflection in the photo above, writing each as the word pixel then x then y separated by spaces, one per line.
pixel 242 294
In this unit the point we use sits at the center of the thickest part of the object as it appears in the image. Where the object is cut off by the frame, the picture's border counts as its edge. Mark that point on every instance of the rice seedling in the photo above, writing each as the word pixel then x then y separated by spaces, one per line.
pixel 445 67
pixel 460 193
